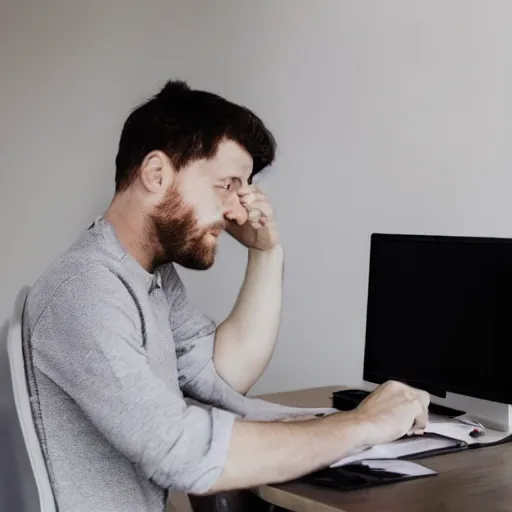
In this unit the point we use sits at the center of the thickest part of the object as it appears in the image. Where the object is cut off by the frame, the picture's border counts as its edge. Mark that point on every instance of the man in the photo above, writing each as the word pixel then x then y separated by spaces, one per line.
pixel 135 392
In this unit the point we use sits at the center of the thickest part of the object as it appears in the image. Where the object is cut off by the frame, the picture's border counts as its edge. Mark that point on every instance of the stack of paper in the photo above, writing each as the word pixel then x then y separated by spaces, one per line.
pixel 402 467
pixel 450 432
pixel 458 430
pixel 397 449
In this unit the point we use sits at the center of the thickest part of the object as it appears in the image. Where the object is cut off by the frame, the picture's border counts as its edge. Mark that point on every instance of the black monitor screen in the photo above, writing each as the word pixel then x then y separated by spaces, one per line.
pixel 439 314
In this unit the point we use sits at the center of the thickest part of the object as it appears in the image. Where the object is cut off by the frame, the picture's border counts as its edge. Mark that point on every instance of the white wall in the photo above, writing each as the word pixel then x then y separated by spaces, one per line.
pixel 390 116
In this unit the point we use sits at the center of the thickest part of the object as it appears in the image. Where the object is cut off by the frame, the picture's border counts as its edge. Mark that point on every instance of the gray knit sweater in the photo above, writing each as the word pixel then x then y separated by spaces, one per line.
pixel 124 392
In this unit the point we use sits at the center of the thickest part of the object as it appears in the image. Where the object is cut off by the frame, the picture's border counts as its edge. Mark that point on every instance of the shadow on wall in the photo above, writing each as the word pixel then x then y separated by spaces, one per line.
pixel 10 440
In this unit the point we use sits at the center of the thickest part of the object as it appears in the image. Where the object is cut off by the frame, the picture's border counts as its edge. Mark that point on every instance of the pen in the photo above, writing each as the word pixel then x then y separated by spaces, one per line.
pixel 471 423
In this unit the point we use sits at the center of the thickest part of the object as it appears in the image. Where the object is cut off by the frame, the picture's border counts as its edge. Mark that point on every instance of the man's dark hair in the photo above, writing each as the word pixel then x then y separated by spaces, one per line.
pixel 188 125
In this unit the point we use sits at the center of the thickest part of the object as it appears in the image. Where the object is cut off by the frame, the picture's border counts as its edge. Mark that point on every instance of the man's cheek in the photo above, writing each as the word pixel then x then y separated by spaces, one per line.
pixel 209 212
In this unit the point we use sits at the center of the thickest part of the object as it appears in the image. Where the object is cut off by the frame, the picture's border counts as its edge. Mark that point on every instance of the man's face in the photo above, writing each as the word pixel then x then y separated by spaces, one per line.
pixel 194 212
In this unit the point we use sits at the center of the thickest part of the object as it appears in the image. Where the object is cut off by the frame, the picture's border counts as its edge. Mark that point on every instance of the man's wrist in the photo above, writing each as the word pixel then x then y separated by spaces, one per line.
pixel 275 252
pixel 350 429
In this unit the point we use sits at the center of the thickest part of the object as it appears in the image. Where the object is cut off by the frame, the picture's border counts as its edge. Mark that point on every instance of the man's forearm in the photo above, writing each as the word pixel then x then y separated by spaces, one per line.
pixel 262 453
pixel 245 341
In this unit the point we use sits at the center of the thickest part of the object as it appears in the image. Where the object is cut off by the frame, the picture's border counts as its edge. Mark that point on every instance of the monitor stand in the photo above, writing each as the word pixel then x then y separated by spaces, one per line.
pixel 492 415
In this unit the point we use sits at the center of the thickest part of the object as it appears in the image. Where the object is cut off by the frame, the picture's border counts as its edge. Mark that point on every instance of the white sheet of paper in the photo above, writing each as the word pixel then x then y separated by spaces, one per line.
pixel 404 467
pixel 452 428
pixel 400 448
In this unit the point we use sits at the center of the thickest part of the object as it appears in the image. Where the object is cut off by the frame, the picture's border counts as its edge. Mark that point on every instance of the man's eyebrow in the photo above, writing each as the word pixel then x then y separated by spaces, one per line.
pixel 241 175
pixel 248 172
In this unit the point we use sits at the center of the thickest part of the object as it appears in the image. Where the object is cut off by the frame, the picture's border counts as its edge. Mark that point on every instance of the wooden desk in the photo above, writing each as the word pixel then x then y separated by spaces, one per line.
pixel 476 480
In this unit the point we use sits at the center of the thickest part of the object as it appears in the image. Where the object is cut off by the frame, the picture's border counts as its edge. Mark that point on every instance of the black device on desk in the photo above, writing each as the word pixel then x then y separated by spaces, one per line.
pixel 439 317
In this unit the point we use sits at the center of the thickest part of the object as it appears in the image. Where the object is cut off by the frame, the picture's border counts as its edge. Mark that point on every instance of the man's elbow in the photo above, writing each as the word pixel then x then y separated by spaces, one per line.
pixel 195 457
pixel 219 485
pixel 188 480
pixel 228 368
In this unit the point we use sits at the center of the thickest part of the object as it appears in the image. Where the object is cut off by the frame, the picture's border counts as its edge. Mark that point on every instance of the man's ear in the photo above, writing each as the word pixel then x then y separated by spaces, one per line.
pixel 156 172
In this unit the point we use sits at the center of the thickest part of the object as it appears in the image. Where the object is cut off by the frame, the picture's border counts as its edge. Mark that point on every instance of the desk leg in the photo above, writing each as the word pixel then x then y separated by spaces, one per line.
pixel 234 501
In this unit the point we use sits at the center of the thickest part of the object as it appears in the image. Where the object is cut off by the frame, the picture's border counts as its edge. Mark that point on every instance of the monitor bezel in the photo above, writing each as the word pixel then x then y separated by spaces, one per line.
pixel 379 378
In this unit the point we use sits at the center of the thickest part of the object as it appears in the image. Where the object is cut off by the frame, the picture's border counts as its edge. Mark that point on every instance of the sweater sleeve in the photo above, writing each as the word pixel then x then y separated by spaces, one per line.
pixel 88 341
pixel 194 338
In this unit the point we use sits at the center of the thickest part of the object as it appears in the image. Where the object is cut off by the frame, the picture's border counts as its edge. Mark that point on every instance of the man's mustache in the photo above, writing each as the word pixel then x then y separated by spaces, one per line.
pixel 217 227
pixel 220 224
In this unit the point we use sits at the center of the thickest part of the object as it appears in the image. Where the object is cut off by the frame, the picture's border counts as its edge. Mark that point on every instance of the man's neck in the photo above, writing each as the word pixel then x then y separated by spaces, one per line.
pixel 131 229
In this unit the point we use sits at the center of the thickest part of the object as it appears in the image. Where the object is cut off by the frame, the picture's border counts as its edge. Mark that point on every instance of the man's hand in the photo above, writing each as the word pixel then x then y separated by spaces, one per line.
pixel 392 411
pixel 260 230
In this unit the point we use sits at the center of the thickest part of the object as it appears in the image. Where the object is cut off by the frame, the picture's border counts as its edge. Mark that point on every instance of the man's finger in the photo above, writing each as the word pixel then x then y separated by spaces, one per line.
pixel 247 189
pixel 252 197
pixel 420 423
pixel 425 399
pixel 254 215
pixel 264 208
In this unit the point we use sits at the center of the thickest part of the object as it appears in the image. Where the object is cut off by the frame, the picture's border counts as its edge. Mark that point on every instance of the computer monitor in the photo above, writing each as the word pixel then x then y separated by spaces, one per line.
pixel 439 314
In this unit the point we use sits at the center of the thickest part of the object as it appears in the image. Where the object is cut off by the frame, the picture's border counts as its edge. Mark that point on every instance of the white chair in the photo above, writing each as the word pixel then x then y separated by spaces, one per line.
pixel 24 482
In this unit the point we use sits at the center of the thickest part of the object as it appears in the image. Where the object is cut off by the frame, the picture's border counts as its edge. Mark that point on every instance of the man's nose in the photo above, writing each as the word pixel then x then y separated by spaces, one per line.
pixel 233 210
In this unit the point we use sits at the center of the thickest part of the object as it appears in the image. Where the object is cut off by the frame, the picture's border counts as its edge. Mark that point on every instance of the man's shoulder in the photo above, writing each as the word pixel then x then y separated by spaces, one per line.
pixel 83 271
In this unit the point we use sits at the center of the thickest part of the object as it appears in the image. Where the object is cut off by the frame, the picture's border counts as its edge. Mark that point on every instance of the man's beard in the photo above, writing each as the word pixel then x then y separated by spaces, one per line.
pixel 179 236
